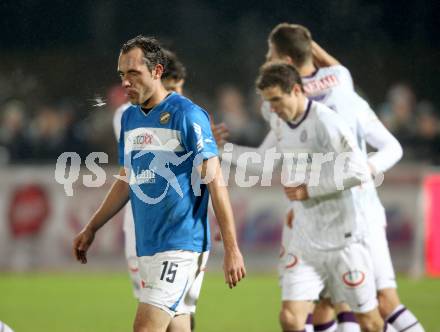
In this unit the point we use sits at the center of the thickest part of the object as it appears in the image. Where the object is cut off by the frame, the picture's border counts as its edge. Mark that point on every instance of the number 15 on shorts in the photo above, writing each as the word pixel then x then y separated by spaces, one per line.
pixel 169 271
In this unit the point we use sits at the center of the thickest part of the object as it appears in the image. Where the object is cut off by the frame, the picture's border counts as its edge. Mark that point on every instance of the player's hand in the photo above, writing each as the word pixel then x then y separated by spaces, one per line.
pixel 297 193
pixel 233 267
pixel 289 218
pixel 81 244
pixel 220 132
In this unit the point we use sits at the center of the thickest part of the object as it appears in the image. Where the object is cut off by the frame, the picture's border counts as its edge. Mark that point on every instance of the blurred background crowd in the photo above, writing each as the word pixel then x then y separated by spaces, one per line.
pixel 59 87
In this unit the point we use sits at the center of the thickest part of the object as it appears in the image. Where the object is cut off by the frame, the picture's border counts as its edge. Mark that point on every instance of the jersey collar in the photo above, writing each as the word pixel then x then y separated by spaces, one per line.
pixel 156 106
pixel 295 124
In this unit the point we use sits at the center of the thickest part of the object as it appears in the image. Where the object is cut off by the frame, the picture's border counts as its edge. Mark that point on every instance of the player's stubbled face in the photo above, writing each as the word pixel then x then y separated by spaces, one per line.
pixel 136 78
pixel 285 105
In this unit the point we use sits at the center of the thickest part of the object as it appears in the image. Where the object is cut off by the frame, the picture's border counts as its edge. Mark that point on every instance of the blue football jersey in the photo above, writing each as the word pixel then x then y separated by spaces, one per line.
pixel 160 151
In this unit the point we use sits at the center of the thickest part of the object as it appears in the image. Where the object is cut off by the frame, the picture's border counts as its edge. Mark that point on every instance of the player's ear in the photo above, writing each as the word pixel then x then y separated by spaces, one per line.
pixel 289 60
pixel 296 89
pixel 157 71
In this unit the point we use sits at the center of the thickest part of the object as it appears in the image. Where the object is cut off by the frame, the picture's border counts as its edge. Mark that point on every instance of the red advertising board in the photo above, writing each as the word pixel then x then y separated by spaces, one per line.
pixel 432 224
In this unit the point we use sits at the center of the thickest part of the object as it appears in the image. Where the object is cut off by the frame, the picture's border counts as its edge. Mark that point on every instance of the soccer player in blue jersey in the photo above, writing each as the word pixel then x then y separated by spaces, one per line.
pixel 169 167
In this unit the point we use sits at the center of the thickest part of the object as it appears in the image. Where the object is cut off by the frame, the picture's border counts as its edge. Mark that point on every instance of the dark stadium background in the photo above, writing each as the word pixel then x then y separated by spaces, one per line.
pixel 58 60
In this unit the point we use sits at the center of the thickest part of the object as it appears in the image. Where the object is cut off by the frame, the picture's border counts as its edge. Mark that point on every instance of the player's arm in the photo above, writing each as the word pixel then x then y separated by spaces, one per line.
pixel 197 137
pixel 233 267
pixel 321 58
pixel 389 151
pixel 220 133
pixel 115 199
pixel 347 168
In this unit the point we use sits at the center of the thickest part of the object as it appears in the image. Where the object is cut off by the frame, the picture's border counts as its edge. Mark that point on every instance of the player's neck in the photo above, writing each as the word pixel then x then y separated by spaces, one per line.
pixel 307 69
pixel 156 98
pixel 302 104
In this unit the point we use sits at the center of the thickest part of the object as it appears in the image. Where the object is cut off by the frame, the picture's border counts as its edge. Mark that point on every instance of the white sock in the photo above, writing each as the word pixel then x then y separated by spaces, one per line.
pixel 309 323
pixel 347 322
pixel 403 320
pixel 326 327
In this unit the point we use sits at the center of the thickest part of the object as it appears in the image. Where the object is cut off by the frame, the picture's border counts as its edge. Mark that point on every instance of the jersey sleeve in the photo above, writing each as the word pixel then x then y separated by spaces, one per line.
pixel 389 151
pixel 348 167
pixel 343 75
pixel 196 133
pixel 269 142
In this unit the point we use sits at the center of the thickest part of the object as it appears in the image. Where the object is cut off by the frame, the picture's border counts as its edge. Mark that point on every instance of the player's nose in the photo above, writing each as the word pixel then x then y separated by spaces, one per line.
pixel 126 83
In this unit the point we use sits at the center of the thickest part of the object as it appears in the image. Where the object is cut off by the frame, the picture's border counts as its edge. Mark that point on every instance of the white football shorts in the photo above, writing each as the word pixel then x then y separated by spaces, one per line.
pixel 377 244
pixel 172 280
pixel 348 273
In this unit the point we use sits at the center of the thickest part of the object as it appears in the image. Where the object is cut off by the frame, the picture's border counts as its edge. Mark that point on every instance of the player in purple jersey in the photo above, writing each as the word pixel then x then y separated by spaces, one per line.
pixel 325 78
pixel 141 65
pixel 327 240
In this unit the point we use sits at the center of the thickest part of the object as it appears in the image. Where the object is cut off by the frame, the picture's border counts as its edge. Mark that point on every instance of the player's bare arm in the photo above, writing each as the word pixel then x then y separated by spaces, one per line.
pixel 321 58
pixel 233 265
pixel 115 200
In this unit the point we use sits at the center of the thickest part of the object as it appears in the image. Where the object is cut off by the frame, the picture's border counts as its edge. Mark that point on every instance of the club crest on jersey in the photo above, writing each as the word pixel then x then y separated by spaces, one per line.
pixel 303 136
pixel 292 260
pixel 164 118
pixel 353 278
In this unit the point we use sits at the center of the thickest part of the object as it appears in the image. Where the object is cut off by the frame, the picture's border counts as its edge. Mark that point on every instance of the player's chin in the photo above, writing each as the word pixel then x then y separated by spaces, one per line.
pixel 134 100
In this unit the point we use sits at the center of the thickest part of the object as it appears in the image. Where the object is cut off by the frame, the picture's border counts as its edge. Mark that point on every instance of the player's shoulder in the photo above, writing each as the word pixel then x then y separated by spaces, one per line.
pixel 335 69
pixel 121 109
pixel 324 114
pixel 183 107
pixel 125 111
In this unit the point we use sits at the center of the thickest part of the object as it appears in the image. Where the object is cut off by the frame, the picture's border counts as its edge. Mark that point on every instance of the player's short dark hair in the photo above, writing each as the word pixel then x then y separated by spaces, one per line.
pixel 150 46
pixel 175 69
pixel 280 74
pixel 293 40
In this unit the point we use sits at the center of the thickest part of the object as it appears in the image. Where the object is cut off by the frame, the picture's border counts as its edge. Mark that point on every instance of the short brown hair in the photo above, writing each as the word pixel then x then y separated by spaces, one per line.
pixel 278 74
pixel 175 69
pixel 153 52
pixel 293 40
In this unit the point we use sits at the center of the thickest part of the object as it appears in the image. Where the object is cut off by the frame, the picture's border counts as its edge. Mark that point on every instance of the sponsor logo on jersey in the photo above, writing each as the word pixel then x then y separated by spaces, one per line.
pixel 164 118
pixel 292 260
pixel 146 176
pixel 318 85
pixel 142 139
pixel 353 278
pixel 158 139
